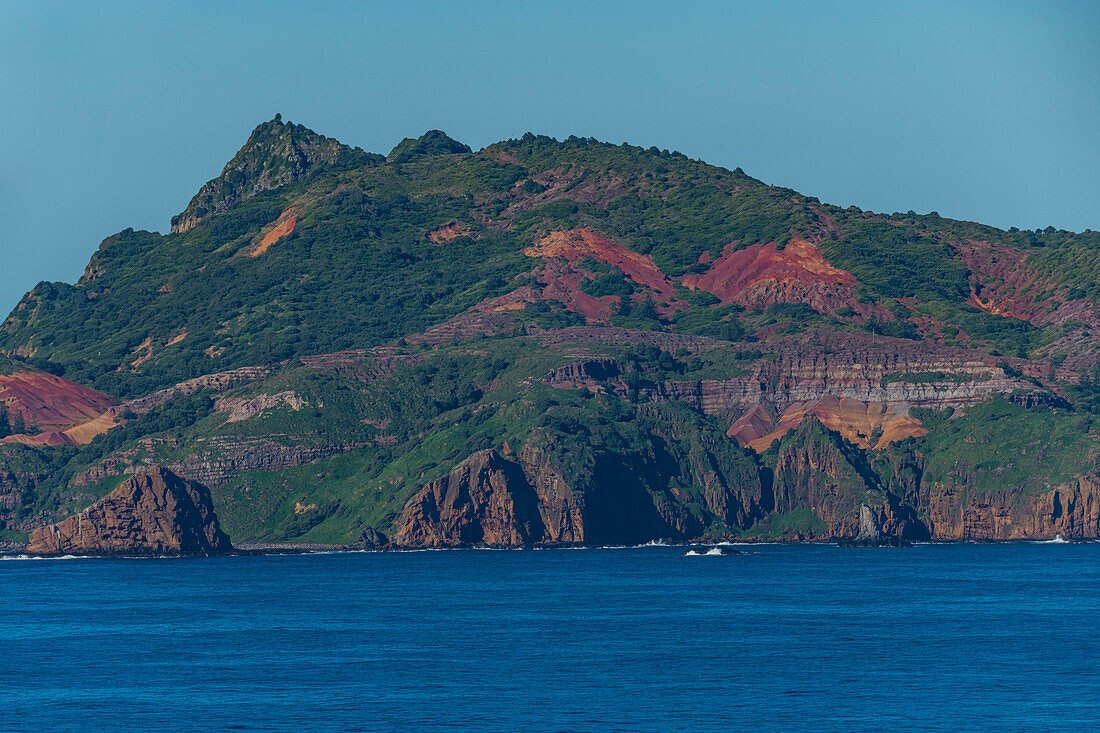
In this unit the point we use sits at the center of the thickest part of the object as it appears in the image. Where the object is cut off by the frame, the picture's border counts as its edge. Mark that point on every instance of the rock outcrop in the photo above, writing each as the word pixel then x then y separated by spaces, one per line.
pixel 868 527
pixel 240 409
pixel 153 513
pixel 812 470
pixel 858 384
pixel 485 500
pixel 604 498
pixel 275 154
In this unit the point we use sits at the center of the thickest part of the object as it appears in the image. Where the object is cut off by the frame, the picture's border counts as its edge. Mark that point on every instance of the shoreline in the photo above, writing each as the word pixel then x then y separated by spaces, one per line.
pixel 12 550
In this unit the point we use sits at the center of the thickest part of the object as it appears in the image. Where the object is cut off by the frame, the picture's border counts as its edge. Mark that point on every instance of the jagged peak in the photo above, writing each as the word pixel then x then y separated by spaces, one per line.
pixel 432 142
pixel 276 153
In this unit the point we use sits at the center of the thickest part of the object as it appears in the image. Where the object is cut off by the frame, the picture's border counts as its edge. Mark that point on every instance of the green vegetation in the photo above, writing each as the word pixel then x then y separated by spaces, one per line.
pixel 788 524
pixel 1088 391
pixel 998 445
pixel 612 282
pixel 925 377
pixel 897 261
pixel 359 270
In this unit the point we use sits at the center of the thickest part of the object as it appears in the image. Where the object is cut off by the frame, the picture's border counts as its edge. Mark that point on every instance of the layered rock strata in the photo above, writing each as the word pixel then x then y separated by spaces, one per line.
pixel 153 513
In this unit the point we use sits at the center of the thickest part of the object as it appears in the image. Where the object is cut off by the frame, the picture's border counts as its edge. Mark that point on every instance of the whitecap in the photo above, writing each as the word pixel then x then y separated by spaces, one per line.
pixel 697 553
pixel 46 557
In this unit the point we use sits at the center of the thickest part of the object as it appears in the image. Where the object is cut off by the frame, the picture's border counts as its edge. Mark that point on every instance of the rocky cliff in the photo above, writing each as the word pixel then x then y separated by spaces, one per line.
pixel 485 500
pixel 276 153
pixel 1072 510
pixel 153 513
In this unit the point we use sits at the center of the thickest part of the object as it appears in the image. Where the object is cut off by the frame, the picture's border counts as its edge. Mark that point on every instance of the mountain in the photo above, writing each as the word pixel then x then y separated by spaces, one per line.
pixel 568 341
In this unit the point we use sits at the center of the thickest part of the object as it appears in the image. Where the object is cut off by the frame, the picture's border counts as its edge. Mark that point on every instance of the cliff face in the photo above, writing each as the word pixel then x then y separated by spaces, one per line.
pixel 606 498
pixel 811 471
pixel 819 470
pixel 488 500
pixel 859 385
pixel 485 500
pixel 560 509
pixel 152 513
pixel 1071 511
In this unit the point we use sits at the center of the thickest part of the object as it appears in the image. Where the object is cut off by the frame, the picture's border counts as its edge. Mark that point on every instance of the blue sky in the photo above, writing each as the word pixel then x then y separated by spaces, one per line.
pixel 115 113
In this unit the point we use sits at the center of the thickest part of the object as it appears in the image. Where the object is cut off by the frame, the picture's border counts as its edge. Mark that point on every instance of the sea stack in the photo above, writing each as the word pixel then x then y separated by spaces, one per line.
pixel 868 527
pixel 152 513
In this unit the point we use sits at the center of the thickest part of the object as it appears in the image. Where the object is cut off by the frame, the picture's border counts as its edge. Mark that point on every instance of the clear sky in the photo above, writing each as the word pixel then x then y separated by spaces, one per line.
pixel 114 113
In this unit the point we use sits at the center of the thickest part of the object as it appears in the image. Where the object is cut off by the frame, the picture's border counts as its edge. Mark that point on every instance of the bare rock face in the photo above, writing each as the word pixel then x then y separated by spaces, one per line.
pixel 1072 510
pixel 243 408
pixel 868 527
pixel 275 154
pixel 152 513
pixel 561 510
pixel 485 500
pixel 811 470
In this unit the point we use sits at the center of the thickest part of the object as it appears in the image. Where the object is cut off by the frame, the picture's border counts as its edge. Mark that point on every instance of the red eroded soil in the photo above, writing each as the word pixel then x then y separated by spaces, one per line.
pixel 50 402
pixel 762 272
pixel 565 287
pixel 284 226
pixel 583 242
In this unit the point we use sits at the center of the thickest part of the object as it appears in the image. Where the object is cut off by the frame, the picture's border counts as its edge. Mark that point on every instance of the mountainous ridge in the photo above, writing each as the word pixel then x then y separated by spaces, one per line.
pixel 328 334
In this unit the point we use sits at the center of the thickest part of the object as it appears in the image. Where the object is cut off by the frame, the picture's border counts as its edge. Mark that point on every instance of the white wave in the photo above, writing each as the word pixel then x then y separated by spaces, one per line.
pixel 44 557
pixel 711 551
pixel 1058 540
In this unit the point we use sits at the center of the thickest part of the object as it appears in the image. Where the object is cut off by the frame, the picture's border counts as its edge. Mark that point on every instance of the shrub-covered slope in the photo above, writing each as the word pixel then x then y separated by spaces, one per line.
pixel 568 341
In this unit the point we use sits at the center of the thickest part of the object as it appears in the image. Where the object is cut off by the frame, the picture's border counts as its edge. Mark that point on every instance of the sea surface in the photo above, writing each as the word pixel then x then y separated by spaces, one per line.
pixel 794 637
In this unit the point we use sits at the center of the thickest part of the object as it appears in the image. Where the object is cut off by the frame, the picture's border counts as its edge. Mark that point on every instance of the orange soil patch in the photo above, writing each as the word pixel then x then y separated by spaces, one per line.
pixel 50 402
pixel 991 306
pixel 176 339
pixel 147 347
pixel 82 434
pixel 49 438
pixel 735 272
pixel 583 242
pixel 284 225
pixel 856 421
pixel 448 232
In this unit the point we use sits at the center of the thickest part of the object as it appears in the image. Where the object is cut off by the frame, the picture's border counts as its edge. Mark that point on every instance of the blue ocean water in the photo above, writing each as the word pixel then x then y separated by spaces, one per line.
pixel 935 637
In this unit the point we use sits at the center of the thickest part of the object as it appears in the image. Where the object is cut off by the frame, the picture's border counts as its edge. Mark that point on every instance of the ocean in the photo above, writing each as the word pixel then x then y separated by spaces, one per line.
pixel 955 637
